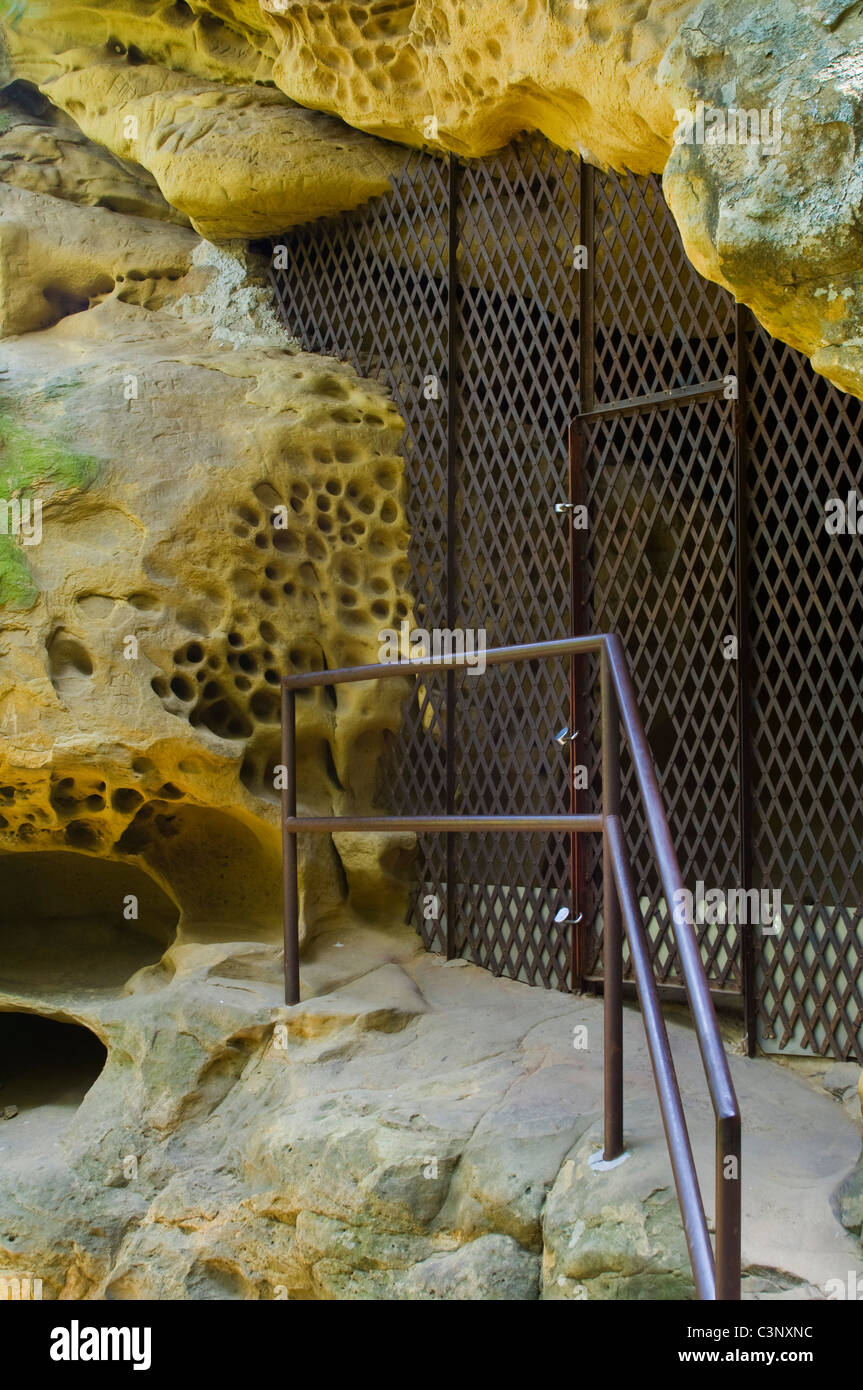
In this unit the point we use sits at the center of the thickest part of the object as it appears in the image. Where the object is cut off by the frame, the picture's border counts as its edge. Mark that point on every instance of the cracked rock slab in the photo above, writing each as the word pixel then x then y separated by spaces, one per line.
pixel 447 1160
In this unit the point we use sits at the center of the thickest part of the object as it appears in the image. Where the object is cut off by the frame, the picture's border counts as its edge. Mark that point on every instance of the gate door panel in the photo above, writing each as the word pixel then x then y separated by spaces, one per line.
pixel 706 528
pixel 806 620
pixel 516 379
pixel 660 571
pixel 660 558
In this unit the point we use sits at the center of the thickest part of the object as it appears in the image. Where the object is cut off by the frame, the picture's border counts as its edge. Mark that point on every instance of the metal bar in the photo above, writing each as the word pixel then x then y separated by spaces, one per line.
pixel 722 1095
pixel 612 941
pixel 704 1016
pixel 577 868
pixel 665 1077
pixel 575 448
pixel 318 825
pixel 729 1195
pixel 618 705
pixel 587 289
pixel 290 884
pixel 451 908
pixel 495 656
pixel 682 395
pixel 744 672
pixel 454 182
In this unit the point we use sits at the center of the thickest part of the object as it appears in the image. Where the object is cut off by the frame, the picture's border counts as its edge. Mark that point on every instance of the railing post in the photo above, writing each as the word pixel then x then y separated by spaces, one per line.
pixel 290 885
pixel 612 937
pixel 716 1276
pixel 729 1191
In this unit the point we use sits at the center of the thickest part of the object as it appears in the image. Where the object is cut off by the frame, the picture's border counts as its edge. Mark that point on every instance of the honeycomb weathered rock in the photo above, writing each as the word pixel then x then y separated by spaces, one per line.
pixel 188 559
pixel 236 161
pixel 779 227
pixel 469 77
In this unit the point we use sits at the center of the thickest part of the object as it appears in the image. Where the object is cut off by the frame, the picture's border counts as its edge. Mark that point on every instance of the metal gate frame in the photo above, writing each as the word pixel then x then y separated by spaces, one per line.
pixel 738 977
pixel 802 988
pixel 411 256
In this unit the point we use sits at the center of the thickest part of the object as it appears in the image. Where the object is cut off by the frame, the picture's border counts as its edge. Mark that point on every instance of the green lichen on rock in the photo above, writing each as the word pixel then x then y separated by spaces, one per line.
pixel 17 589
pixel 29 462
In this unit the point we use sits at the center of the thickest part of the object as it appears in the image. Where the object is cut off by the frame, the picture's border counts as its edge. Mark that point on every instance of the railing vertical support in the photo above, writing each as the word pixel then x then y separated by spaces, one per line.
pixel 452 442
pixel 744 672
pixel 290 883
pixel 716 1276
pixel 579 939
pixel 612 934
pixel 729 1191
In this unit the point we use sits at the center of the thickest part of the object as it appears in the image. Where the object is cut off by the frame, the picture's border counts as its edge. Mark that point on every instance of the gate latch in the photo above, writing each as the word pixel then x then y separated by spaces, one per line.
pixel 563 919
pixel 561 507
pixel 565 736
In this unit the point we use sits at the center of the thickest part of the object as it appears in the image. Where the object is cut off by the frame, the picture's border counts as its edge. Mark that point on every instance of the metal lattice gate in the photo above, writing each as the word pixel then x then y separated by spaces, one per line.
pixel 660 567
pixel 705 523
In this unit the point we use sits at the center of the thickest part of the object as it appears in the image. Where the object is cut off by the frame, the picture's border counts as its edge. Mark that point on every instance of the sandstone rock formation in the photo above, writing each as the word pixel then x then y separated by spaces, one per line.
pixel 778 223
pixel 412 1129
pixel 187 556
pixel 227 40
pixel 45 152
pixel 470 77
pixel 237 162
pixel 140 702
pixel 186 91
pixel 214 507
pixel 181 94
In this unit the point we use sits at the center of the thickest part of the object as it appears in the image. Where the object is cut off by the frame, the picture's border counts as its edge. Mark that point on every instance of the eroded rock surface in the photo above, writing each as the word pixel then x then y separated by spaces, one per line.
pixel 236 161
pixel 778 222
pixel 414 1130
pixel 139 706
pixel 470 77
pixel 208 98
pixel 187 94
pixel 217 508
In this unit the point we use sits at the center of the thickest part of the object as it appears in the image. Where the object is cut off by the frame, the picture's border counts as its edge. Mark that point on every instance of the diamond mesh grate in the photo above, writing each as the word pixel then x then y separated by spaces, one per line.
pixel 373 287
pixel 659 563
pixel 806 623
pixel 517 357
pixel 659 324
pixel 661 574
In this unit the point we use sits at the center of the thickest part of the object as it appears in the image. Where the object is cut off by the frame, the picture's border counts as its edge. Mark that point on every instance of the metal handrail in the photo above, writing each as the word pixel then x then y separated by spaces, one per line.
pixel 716 1274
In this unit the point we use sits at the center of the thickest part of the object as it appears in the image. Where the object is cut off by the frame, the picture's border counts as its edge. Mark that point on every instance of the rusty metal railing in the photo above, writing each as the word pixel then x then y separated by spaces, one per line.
pixel 717 1275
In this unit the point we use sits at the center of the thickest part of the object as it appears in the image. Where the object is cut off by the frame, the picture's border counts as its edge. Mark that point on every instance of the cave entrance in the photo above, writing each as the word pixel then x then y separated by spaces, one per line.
pixel 510 299
pixel 74 924
pixel 44 1063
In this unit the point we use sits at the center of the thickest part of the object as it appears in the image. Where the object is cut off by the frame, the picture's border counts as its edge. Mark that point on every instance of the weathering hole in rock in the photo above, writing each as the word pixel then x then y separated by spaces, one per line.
pixel 45 1062
pixel 63 924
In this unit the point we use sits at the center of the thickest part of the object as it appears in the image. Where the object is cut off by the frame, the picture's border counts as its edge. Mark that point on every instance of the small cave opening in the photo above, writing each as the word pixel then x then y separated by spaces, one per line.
pixel 74 924
pixel 225 875
pixel 44 1062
